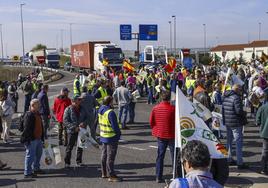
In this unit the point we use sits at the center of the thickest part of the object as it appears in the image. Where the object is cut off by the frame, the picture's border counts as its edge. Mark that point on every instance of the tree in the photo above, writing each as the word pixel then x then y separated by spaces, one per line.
pixel 39 47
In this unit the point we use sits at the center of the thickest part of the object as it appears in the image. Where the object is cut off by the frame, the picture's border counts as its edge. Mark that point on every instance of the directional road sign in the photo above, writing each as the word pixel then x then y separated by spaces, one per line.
pixel 148 32
pixel 125 32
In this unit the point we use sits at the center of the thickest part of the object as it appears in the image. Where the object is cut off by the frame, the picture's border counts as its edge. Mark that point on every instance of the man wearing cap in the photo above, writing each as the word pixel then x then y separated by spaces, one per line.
pixel 88 106
pixel 61 102
pixel 72 121
pixel 44 108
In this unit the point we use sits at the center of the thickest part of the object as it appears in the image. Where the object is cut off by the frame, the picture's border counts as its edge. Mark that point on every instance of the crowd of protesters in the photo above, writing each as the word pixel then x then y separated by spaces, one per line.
pixel 236 87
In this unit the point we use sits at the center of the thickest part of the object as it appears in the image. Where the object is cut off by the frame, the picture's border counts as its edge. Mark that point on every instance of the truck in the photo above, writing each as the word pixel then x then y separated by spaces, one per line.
pixel 92 54
pixel 50 57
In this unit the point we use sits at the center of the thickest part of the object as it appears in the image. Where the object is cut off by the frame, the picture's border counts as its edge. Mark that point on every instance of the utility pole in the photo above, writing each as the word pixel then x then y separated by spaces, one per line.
pixel 61 39
pixel 175 48
pixel 22 32
pixel 170 37
pixel 71 36
pixel 205 39
pixel 1 35
pixel 259 30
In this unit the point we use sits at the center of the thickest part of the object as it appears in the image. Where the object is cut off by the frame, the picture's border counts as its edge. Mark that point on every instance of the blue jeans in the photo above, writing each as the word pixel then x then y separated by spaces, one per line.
pixel 33 156
pixel 123 111
pixel 235 134
pixel 161 151
pixel 150 95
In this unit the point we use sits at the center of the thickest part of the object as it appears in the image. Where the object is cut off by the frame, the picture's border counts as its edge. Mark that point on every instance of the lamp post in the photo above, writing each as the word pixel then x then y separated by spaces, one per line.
pixel 22 32
pixel 175 50
pixel 71 36
pixel 61 39
pixel 170 36
pixel 259 30
pixel 2 48
pixel 205 39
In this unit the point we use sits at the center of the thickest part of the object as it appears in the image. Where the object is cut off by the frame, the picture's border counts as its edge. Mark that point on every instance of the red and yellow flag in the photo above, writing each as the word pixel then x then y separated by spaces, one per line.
pixel 172 62
pixel 127 66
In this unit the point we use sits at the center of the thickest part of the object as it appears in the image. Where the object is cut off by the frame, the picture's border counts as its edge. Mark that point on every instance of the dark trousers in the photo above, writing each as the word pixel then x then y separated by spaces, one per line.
pixel 27 102
pixel 72 138
pixel 62 134
pixel 264 156
pixel 108 154
pixel 132 111
pixel 162 147
pixel 150 95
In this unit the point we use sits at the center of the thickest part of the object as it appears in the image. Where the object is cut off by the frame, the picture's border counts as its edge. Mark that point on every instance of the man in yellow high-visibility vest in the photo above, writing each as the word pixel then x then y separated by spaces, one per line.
pixel 109 136
pixel 101 92
pixel 77 85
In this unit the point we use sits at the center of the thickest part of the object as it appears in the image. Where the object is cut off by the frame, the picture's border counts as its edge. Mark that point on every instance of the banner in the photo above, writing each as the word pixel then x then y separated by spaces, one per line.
pixel 190 126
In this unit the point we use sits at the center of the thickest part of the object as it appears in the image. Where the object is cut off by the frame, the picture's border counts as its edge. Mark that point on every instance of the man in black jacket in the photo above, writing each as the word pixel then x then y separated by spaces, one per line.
pixel 234 119
pixel 33 137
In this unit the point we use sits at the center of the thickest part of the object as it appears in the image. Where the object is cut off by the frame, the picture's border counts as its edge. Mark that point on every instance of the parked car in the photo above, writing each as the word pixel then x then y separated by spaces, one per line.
pixel 152 66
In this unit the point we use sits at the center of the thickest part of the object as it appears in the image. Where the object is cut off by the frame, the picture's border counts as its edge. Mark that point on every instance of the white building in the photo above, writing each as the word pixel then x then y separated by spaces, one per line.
pixel 236 50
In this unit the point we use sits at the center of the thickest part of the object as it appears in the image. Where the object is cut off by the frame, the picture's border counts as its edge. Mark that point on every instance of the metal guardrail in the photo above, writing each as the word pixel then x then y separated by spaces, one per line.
pixel 35 67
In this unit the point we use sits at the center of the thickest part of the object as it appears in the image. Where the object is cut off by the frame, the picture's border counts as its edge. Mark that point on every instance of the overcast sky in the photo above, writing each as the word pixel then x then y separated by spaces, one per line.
pixel 227 21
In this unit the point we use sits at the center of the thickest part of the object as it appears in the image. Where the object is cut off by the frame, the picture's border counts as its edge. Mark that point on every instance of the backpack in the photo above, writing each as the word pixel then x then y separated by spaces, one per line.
pixel 253 99
pixel 183 182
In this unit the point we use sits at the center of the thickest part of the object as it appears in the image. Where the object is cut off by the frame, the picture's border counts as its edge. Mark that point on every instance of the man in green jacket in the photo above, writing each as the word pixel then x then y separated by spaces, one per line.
pixel 262 121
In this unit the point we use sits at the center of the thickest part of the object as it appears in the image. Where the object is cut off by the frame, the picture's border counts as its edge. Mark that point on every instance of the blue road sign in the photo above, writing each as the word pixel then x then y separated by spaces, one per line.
pixel 125 32
pixel 148 32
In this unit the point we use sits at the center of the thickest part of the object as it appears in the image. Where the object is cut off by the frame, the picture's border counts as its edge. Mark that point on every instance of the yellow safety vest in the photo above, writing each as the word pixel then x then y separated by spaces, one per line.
pixel 91 84
pixel 189 83
pixel 103 93
pixel 106 130
pixel 76 91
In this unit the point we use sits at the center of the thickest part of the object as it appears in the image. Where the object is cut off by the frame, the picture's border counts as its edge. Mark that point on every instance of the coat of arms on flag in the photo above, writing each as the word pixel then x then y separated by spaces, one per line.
pixel 190 126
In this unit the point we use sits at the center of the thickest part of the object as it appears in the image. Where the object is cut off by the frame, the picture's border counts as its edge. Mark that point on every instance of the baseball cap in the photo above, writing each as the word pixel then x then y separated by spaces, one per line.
pixel 65 89
pixel 75 97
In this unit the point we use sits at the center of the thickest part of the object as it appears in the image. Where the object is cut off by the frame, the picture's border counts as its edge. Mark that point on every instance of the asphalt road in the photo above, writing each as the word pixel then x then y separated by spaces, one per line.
pixel 135 161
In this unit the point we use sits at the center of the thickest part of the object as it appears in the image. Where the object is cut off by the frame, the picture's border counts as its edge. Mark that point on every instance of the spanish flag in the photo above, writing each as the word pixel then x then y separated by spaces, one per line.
pixel 127 66
pixel 172 62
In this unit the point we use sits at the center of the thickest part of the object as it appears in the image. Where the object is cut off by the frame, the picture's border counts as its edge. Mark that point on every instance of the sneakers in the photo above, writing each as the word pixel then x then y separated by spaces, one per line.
pixel 114 179
pixel 3 166
pixel 32 175
pixel 264 172
pixel 125 128
pixel 243 166
pixel 80 164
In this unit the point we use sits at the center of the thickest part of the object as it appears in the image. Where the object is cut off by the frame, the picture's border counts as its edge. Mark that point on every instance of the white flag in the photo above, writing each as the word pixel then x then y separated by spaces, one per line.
pixel 190 126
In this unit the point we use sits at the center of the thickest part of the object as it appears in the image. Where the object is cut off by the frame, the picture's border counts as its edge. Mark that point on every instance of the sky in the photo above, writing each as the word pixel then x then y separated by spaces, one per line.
pixel 48 21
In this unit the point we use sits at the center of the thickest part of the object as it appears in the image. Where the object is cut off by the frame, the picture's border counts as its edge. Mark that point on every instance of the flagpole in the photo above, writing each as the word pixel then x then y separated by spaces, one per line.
pixel 177 137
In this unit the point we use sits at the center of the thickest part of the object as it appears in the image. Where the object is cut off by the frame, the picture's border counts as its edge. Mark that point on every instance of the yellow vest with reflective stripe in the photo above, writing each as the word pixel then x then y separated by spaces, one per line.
pixel 189 83
pixel 106 130
pixel 91 84
pixel 103 93
pixel 76 91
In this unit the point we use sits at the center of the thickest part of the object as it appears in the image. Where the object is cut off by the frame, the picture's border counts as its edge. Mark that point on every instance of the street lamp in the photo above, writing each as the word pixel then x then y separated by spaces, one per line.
pixel 174 17
pixel 2 48
pixel 205 39
pixel 71 36
pixel 259 30
pixel 170 36
pixel 22 32
pixel 61 38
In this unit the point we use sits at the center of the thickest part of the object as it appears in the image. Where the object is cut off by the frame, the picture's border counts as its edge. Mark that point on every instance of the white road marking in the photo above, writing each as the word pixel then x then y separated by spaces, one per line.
pixel 156 147
pixel 131 147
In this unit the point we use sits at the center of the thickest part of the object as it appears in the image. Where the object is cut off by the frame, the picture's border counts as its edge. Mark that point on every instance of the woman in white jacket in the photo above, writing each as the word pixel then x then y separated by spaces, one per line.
pixel 7 110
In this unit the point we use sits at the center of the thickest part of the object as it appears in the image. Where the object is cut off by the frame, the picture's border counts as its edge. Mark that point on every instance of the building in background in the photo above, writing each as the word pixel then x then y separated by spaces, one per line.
pixel 247 51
